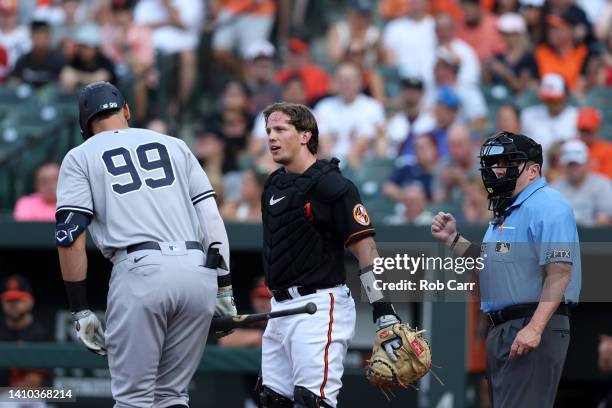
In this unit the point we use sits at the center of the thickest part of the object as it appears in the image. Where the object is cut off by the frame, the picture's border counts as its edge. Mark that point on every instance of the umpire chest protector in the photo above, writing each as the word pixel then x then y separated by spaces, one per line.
pixel 295 252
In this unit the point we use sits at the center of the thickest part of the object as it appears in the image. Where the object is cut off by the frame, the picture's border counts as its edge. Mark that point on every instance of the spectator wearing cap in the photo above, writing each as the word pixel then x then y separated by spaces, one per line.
pixel 130 47
pixel 239 23
pixel 89 64
pixel 560 54
pixel 176 26
pixel 469 69
pixel 589 194
pixel 356 29
pixel 419 170
pixel 581 25
pixel 259 76
pixel 410 42
pixel 515 68
pixel 411 121
pixel 600 151
pixel 19 325
pixel 446 114
pixel 349 121
pixel 552 120
pixel 40 205
pixel 43 64
pixel 452 176
pixel 473 109
pixel 298 62
pixel 479 29
pixel 15 38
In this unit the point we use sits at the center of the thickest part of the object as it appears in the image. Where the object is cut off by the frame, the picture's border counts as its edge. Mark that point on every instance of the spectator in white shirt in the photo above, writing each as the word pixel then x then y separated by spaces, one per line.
pixel 469 69
pixel 473 107
pixel 589 194
pixel 410 42
pixel 410 122
pixel 15 38
pixel 349 121
pixel 554 119
pixel 176 28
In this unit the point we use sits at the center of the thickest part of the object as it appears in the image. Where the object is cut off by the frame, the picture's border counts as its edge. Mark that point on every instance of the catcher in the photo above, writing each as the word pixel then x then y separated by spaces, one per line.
pixel 310 214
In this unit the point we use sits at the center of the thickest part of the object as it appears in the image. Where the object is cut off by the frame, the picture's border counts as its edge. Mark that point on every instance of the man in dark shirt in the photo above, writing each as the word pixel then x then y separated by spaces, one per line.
pixel 43 64
pixel 18 325
pixel 89 64
pixel 310 213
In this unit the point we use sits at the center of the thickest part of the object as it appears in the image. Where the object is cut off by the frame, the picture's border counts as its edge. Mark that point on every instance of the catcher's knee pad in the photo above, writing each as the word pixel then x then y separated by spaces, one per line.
pixel 268 398
pixel 308 399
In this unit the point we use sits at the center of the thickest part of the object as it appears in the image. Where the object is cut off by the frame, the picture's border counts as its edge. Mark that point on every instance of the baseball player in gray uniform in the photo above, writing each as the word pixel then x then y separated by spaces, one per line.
pixel 150 209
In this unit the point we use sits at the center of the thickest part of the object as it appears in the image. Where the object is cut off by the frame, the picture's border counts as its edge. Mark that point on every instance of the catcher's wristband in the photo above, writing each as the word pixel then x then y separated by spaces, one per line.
pixel 77 295
pixel 381 309
pixel 366 275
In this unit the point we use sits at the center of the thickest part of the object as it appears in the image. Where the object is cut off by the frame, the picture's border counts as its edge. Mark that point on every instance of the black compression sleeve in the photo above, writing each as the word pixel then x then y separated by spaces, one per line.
pixel 77 295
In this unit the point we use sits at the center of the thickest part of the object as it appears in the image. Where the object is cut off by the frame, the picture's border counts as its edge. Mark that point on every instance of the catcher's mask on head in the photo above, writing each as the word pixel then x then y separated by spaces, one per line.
pixel 513 149
pixel 94 99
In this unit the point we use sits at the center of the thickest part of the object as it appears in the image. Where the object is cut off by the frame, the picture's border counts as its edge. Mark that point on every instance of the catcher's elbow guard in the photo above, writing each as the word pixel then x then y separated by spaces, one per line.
pixel 366 275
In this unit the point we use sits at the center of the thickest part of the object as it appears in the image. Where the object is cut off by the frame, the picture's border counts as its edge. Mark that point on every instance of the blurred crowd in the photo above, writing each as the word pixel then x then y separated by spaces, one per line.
pixel 410 88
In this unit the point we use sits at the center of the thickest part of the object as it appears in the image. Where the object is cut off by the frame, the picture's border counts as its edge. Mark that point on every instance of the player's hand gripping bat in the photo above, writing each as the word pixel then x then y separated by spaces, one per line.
pixel 234 322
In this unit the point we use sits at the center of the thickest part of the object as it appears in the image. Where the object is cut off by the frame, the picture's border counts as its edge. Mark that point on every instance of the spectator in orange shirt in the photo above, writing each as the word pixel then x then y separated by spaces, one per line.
pixel 479 29
pixel 600 151
pixel 560 54
pixel 40 206
pixel 316 80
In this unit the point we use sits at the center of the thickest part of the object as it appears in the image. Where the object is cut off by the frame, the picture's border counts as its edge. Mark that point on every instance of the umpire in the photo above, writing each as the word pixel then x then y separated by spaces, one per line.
pixel 531 272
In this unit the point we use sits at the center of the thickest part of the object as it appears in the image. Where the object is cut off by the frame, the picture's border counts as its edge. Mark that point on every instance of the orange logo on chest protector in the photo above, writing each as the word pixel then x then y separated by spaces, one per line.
pixel 361 215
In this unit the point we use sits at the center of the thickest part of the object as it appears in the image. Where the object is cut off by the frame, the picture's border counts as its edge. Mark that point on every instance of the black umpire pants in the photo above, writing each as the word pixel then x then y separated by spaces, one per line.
pixel 531 380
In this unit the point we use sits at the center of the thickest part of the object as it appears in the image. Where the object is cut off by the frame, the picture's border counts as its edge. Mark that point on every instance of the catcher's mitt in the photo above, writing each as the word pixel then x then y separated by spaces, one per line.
pixel 413 358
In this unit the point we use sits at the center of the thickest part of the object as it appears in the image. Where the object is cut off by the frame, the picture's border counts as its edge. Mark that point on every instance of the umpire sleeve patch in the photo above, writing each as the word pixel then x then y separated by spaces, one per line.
pixel 69 226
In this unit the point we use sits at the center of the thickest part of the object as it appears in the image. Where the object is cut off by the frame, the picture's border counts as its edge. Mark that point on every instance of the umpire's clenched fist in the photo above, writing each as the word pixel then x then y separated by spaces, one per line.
pixel 444 227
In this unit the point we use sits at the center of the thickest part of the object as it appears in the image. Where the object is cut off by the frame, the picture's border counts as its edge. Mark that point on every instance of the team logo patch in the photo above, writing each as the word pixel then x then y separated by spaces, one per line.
pixel 502 247
pixel 361 215
pixel 417 347
pixel 550 254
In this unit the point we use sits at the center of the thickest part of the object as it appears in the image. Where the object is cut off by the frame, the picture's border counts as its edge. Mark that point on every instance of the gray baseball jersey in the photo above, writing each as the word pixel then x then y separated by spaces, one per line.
pixel 138 185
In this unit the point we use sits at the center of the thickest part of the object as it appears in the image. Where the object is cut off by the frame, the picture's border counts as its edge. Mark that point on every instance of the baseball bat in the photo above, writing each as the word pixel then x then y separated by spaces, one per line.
pixel 234 322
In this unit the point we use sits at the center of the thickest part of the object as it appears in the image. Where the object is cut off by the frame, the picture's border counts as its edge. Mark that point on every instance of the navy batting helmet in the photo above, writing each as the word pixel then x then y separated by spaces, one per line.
pixel 94 99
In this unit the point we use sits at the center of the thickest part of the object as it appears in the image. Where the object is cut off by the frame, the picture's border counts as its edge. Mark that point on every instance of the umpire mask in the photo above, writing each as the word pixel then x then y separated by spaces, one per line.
pixel 505 150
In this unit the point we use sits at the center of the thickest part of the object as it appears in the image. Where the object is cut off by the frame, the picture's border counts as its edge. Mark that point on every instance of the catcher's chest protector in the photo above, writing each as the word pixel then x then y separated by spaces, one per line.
pixel 292 245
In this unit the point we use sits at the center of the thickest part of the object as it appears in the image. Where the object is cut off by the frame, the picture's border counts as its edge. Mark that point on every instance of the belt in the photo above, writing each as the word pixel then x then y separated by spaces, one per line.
pixel 520 312
pixel 285 294
pixel 155 246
